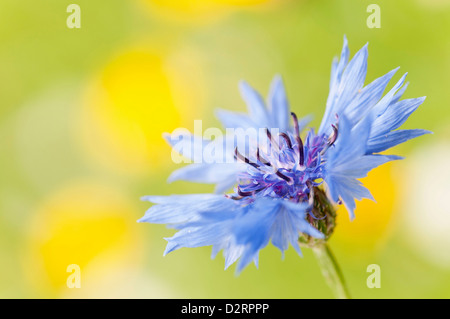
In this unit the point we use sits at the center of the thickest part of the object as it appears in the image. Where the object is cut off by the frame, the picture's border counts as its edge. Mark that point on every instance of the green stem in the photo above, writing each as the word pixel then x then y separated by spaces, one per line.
pixel 331 271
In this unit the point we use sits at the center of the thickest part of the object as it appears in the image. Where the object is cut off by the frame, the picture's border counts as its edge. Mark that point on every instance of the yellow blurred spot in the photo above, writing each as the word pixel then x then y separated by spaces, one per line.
pixel 137 97
pixel 79 224
pixel 370 227
pixel 206 10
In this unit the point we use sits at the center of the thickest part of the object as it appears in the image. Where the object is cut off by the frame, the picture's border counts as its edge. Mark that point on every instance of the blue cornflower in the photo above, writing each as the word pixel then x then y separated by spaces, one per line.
pixel 286 188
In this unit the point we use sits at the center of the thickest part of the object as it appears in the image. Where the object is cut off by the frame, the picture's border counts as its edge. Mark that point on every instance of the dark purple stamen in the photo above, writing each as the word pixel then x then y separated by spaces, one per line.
pixel 334 137
pixel 296 127
pixel 298 139
pixel 244 159
pixel 244 194
pixel 331 139
pixel 287 139
pixel 281 175
pixel 272 140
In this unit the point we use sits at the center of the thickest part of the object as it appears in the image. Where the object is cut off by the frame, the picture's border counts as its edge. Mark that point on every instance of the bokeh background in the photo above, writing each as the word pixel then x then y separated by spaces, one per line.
pixel 81 117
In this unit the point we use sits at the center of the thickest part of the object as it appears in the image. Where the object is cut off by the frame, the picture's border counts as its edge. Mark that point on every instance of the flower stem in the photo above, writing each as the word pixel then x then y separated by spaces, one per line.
pixel 331 271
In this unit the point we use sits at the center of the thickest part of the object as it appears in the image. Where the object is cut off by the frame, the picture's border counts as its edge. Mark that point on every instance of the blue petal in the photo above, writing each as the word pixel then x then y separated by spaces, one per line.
pixel 256 260
pixel 279 105
pixel 351 142
pixel 297 214
pixel 348 189
pixel 383 142
pixel 284 232
pixel 208 173
pixel 194 237
pixel 368 97
pixel 352 78
pixel 253 229
pixel 399 93
pixel 384 103
pixel 224 186
pixel 343 180
pixel 215 250
pixel 232 253
pixel 181 208
pixel 256 107
pixel 359 167
pixel 336 87
pixel 231 119
pixel 395 115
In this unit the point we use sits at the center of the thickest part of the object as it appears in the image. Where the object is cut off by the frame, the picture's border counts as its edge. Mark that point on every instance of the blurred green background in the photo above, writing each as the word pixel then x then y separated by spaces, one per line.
pixel 81 117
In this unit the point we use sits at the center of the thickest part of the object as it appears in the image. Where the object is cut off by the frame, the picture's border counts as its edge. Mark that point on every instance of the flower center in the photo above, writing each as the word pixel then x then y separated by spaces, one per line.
pixel 286 167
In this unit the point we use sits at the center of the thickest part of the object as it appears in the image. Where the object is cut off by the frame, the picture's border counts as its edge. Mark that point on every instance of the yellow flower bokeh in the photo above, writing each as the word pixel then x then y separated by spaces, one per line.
pixel 137 97
pixel 199 11
pixel 374 219
pixel 80 224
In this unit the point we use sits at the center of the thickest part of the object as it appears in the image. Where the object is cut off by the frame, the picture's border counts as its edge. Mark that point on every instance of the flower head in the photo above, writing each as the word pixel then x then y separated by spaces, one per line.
pixel 288 169
pixel 286 186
